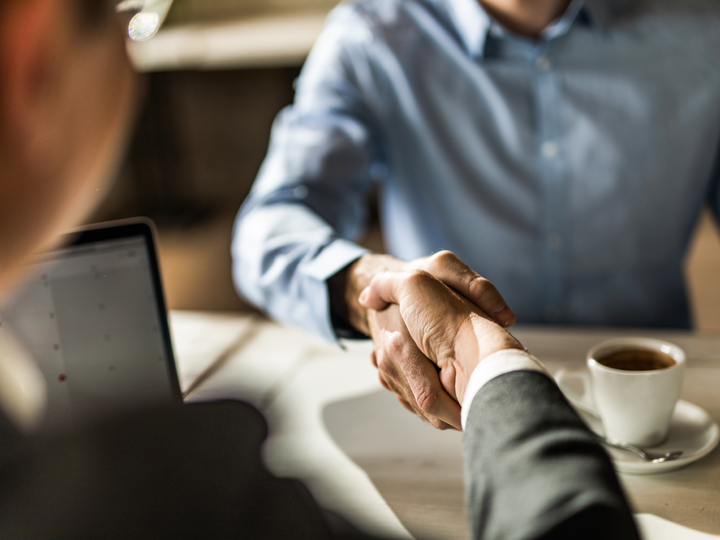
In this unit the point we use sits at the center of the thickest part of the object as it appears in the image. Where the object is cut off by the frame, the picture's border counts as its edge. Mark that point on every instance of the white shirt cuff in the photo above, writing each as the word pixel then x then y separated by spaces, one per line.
pixel 493 366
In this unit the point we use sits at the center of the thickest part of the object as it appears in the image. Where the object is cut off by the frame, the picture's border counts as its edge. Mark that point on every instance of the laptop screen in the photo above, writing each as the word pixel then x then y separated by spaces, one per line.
pixel 93 317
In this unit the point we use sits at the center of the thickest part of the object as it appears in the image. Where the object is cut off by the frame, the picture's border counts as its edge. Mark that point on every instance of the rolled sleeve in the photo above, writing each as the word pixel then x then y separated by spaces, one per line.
pixel 309 203
pixel 284 255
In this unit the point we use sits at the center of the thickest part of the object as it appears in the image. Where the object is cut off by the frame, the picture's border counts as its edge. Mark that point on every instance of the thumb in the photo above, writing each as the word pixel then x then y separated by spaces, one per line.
pixel 382 291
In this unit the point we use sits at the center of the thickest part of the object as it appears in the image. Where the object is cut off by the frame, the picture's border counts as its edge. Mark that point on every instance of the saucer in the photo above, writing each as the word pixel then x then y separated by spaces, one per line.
pixel 692 430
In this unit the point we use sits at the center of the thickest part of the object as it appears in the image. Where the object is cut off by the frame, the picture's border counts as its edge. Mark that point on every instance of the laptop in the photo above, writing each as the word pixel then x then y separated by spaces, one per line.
pixel 93 317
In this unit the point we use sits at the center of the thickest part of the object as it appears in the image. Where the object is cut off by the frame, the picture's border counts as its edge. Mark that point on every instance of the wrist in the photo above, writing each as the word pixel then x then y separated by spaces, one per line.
pixel 467 349
pixel 477 339
pixel 359 275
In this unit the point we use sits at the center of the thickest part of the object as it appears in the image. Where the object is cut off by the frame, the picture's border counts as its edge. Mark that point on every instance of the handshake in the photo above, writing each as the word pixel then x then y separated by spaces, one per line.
pixel 432 322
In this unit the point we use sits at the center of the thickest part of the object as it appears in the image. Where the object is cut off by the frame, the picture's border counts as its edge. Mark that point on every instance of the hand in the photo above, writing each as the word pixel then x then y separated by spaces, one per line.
pixel 453 272
pixel 447 328
pixel 444 265
pixel 402 367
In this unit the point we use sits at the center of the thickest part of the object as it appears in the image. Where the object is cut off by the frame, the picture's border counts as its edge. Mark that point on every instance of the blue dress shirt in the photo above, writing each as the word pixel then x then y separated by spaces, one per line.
pixel 568 170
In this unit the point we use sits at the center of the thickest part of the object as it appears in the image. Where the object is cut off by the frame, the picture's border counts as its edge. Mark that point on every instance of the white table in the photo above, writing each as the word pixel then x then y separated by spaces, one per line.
pixel 361 454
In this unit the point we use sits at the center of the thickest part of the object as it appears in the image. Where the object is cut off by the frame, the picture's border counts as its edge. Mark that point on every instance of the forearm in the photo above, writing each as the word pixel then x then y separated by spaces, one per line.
pixel 283 256
pixel 533 468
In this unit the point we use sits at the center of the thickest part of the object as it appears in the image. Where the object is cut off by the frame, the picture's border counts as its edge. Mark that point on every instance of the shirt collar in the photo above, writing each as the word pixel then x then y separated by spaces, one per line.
pixel 473 23
pixel 561 25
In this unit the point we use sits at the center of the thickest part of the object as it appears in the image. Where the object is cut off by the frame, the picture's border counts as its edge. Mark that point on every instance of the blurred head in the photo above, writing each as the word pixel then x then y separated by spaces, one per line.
pixel 66 98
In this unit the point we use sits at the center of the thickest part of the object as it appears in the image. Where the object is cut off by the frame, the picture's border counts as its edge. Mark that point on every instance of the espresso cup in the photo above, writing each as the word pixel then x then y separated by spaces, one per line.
pixel 632 385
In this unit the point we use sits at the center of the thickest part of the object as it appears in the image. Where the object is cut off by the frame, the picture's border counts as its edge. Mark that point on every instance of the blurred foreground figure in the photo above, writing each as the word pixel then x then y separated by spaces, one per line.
pixel 66 97
pixel 563 150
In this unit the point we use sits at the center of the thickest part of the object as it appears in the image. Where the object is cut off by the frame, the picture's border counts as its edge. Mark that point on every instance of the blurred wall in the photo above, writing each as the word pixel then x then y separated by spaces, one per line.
pixel 188 11
pixel 200 139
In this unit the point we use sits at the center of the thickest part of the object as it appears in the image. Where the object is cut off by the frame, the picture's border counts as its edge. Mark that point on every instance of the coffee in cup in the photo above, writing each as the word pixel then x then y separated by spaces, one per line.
pixel 632 359
pixel 632 385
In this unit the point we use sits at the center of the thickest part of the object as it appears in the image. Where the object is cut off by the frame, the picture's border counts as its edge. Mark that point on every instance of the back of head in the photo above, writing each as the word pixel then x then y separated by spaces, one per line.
pixel 66 97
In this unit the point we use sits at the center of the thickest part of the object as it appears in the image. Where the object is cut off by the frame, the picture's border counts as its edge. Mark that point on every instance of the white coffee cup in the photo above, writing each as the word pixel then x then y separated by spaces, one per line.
pixel 635 407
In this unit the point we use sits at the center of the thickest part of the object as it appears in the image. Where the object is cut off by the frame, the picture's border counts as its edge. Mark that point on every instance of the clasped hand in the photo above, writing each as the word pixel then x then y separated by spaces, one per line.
pixel 430 325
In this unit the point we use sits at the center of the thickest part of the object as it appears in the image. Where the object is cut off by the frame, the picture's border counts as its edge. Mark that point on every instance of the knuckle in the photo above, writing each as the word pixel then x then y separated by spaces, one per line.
pixel 416 278
pixel 427 399
pixel 385 367
pixel 405 405
pixel 439 425
pixel 395 345
pixel 442 259
pixel 482 287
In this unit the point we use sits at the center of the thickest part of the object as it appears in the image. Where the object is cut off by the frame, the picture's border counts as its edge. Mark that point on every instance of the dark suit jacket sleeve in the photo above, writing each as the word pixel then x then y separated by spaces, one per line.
pixel 534 471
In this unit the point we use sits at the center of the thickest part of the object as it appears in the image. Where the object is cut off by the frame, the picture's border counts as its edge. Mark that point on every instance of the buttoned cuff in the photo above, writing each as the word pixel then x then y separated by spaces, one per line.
pixel 337 255
pixel 493 366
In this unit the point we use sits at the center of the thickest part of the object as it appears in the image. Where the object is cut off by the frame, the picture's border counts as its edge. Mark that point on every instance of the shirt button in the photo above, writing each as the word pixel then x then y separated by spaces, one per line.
pixel 543 63
pixel 550 149
pixel 553 241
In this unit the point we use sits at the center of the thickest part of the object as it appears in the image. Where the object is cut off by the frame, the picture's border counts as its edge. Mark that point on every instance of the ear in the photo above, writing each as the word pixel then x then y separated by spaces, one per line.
pixel 27 31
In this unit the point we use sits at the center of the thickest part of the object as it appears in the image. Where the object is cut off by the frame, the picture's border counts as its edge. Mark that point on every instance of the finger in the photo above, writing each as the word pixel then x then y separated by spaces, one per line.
pixel 401 363
pixel 382 291
pixel 438 424
pixel 405 404
pixel 387 288
pixel 411 406
pixel 398 385
pixel 373 359
pixel 394 369
pixel 452 271
pixel 428 393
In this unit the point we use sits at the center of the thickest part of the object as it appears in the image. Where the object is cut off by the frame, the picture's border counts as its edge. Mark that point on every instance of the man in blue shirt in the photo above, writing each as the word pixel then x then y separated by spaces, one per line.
pixel 562 149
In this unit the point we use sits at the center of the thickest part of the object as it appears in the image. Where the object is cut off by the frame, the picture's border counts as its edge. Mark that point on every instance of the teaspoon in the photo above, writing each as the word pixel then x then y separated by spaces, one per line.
pixel 651 457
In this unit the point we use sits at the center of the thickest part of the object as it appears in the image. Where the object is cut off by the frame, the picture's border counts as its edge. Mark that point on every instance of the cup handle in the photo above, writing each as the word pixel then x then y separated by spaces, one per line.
pixel 583 401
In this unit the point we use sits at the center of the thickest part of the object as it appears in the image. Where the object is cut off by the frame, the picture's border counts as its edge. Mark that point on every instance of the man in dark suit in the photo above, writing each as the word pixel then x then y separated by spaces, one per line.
pixel 66 97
